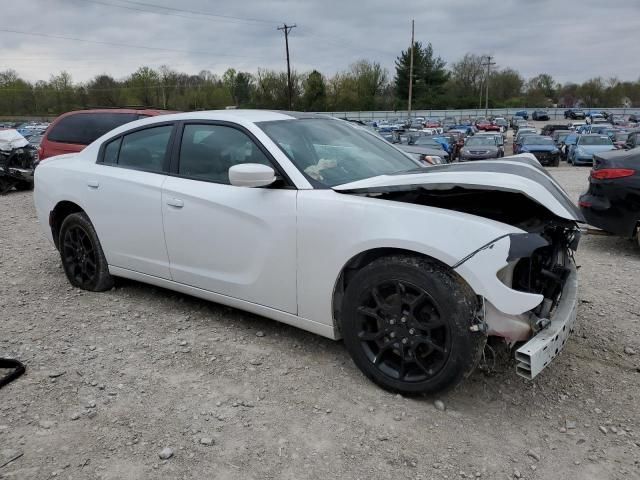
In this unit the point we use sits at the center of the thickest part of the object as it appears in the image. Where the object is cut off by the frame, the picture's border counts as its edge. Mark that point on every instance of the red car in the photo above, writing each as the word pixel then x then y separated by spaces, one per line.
pixel 71 132
pixel 432 123
pixel 487 126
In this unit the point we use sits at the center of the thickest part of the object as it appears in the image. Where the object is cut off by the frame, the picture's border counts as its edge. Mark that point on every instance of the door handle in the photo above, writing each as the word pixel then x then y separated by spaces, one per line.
pixel 175 202
pixel 93 184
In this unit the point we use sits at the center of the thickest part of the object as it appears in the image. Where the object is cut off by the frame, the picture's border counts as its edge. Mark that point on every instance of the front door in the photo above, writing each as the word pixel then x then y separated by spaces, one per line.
pixel 236 241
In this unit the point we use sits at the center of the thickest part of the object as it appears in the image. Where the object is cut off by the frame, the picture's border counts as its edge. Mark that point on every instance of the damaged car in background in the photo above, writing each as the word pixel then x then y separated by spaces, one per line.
pixel 18 159
pixel 319 224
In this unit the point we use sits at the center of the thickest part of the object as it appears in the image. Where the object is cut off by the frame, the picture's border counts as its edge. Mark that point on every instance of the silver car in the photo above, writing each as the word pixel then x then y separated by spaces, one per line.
pixel 479 147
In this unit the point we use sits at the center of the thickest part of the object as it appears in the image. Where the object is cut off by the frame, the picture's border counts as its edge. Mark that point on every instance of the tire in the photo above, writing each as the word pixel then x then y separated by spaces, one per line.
pixel 82 257
pixel 406 323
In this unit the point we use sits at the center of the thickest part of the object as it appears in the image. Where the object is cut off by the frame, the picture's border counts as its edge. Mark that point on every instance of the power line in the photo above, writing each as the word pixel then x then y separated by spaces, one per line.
pixel 197 12
pixel 286 29
pixel 213 17
pixel 114 44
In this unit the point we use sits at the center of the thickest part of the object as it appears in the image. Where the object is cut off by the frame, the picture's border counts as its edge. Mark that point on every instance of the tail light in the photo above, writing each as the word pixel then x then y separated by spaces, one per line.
pixel 612 173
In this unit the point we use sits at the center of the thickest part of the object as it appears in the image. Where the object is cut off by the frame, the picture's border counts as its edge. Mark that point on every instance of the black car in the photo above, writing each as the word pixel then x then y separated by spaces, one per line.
pixel 634 117
pixel 612 201
pixel 552 127
pixel 575 114
pixel 539 115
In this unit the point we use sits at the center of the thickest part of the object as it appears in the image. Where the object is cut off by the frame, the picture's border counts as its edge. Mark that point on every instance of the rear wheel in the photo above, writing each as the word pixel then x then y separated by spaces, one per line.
pixel 406 324
pixel 82 257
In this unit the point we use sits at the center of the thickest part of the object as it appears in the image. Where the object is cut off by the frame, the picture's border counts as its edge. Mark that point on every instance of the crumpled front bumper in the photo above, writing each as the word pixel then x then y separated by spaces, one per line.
pixel 538 352
pixel 509 312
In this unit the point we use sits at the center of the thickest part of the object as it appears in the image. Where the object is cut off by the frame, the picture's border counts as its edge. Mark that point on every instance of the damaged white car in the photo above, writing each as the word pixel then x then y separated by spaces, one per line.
pixel 313 222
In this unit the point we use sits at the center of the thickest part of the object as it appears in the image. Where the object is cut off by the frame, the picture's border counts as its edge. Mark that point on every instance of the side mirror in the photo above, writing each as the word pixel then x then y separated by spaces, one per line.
pixel 251 175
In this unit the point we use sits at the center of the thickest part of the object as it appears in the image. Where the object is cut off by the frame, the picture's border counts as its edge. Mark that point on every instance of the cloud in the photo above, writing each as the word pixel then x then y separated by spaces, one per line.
pixel 572 40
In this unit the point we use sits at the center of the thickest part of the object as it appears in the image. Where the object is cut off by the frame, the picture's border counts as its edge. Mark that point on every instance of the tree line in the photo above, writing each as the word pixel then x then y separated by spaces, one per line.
pixel 365 85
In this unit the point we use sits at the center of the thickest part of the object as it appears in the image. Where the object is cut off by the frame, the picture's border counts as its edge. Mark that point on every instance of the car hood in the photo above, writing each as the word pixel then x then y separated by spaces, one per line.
pixel 518 173
pixel 477 148
pixel 540 148
pixel 595 148
pixel 422 150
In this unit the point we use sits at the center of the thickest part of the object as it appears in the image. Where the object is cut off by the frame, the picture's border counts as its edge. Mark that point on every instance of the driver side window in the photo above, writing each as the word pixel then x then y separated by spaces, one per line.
pixel 208 151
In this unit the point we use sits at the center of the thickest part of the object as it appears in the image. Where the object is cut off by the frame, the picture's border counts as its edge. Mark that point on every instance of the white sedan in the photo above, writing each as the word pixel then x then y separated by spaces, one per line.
pixel 320 224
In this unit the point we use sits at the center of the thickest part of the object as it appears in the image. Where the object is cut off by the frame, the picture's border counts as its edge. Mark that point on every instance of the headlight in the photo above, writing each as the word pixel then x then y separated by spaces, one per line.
pixel 580 151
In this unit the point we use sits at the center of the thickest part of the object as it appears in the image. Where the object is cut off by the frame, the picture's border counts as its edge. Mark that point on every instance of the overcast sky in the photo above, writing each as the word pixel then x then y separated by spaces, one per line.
pixel 573 40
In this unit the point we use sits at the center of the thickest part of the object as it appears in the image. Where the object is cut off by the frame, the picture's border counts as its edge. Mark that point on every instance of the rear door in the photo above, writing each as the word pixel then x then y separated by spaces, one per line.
pixel 235 241
pixel 124 199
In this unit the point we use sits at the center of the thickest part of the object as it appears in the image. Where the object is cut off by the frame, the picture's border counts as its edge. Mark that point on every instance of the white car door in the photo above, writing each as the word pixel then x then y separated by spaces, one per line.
pixel 235 241
pixel 124 199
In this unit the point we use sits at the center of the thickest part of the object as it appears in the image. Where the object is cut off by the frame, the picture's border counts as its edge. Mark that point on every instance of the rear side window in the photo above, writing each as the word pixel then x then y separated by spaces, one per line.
pixel 111 151
pixel 145 149
pixel 84 128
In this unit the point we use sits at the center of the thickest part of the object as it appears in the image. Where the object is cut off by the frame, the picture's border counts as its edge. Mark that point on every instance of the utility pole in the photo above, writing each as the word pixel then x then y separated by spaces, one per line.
pixel 286 29
pixel 488 64
pixel 411 72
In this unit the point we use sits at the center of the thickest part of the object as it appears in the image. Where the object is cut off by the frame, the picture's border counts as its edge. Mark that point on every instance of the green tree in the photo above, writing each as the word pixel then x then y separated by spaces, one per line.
pixel 103 91
pixel 314 93
pixel 504 85
pixel 143 85
pixel 429 76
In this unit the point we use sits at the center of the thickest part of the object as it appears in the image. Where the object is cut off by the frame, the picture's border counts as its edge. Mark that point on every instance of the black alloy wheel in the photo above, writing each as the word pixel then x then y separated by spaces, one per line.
pixel 402 332
pixel 406 322
pixel 79 255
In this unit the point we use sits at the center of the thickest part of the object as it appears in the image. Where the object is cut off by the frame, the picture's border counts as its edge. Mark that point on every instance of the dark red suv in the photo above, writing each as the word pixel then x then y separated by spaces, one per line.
pixel 71 132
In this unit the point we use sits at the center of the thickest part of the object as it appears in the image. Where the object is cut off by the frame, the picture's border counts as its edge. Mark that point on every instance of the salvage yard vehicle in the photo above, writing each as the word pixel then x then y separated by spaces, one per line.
pixel 539 115
pixel 320 224
pixel 586 145
pixel 72 131
pixel 18 159
pixel 612 201
pixel 542 148
pixel 479 147
pixel 574 113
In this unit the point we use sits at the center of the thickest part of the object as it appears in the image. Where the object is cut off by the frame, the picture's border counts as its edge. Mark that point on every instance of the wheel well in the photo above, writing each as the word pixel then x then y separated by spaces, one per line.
pixel 358 262
pixel 61 211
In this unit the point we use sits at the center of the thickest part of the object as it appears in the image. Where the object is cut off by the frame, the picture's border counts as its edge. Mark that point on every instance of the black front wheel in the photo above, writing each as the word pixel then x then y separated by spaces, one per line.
pixel 82 257
pixel 406 324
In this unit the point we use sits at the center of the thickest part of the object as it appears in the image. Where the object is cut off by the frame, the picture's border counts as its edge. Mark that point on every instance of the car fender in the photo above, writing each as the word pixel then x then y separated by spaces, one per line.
pixel 334 228
pixel 54 183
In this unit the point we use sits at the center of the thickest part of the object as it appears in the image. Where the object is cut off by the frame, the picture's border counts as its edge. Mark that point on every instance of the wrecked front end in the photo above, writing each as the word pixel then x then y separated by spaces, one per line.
pixel 17 168
pixel 527 280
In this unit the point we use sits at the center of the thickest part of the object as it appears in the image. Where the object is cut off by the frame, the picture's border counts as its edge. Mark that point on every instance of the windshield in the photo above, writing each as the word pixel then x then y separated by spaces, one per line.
pixel 427 142
pixel 570 139
pixel 332 153
pixel 533 140
pixel 621 137
pixel 595 140
pixel 484 141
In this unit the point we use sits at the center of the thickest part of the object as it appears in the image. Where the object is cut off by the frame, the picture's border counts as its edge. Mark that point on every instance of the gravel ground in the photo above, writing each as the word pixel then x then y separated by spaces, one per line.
pixel 114 379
